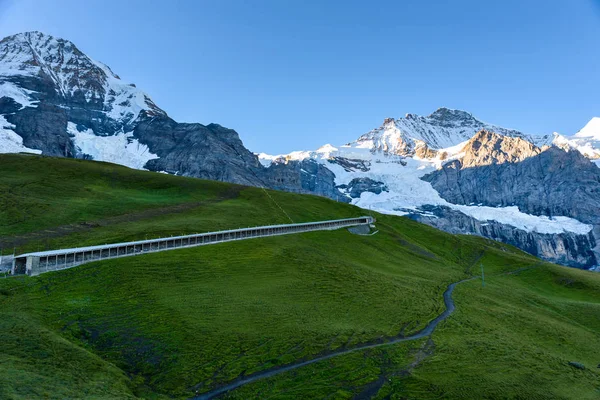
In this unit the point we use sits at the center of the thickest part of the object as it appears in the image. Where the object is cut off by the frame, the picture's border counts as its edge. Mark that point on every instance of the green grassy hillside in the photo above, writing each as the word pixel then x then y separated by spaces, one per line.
pixel 177 323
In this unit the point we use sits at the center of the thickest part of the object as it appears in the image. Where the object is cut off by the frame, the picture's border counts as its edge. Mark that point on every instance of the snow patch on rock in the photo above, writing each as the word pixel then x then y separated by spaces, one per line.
pixel 10 142
pixel 18 94
pixel 586 141
pixel 121 148
pixel 408 192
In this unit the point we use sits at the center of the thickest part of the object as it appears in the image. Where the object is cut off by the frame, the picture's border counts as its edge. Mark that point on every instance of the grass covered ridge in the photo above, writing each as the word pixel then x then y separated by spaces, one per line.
pixel 175 323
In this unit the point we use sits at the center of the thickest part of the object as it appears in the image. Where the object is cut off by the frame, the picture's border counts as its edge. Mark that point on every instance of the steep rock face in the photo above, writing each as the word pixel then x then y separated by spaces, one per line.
pixel 44 128
pixel 60 101
pixel 357 186
pixel 423 151
pixel 487 148
pixel 209 152
pixel 553 182
pixel 564 248
pixel 303 176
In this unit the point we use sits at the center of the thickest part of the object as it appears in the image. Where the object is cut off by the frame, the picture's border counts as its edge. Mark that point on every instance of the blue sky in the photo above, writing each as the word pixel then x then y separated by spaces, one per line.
pixel 292 75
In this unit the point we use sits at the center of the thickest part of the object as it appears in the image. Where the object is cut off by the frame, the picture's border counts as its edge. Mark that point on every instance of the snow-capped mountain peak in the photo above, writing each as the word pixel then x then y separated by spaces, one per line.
pixel 73 75
pixel 56 100
pixel 590 130
pixel 389 138
pixel 444 128
pixel 384 168
pixel 452 117
pixel 586 141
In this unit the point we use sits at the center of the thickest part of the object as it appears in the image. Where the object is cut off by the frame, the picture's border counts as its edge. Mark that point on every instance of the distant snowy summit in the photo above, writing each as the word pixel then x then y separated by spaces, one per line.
pixel 447 128
pixel 457 173
pixel 586 141
pixel 442 129
pixel 443 134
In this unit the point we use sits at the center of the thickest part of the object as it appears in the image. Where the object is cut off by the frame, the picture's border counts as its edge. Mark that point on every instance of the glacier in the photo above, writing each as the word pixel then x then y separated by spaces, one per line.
pixel 392 155
pixel 407 191
pixel 121 148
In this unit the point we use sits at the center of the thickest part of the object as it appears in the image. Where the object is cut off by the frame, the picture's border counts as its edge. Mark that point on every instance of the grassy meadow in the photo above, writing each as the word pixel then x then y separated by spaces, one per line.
pixel 182 322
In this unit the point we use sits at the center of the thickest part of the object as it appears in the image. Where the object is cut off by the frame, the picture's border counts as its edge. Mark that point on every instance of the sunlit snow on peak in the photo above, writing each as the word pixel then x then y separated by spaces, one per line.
pixel 590 130
pixel 73 74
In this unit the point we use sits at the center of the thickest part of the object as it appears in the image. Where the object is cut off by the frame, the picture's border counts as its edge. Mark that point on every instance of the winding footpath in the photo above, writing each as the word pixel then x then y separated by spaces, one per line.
pixel 423 333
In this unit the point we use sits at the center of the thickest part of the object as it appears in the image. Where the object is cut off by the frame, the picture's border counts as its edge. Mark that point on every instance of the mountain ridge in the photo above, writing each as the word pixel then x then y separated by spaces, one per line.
pixel 402 156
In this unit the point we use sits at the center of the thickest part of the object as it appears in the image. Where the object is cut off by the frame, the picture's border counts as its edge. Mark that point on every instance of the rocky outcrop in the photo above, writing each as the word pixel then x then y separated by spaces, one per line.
pixel 357 186
pixel 565 248
pixel 487 148
pixel 209 152
pixel 350 164
pixel 303 176
pixel 424 152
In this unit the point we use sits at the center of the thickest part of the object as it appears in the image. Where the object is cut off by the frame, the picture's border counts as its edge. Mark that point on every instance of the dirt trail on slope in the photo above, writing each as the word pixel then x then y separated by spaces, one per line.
pixel 423 333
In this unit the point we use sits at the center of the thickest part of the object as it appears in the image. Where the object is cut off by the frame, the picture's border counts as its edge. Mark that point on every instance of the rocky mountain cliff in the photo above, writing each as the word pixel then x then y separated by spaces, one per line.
pixel 551 182
pixel 487 148
pixel 567 248
pixel 57 101
pixel 63 103
pixel 459 174
pixel 502 172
